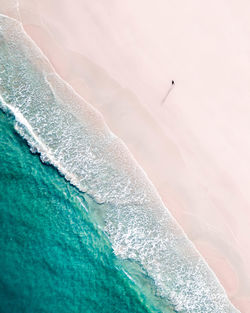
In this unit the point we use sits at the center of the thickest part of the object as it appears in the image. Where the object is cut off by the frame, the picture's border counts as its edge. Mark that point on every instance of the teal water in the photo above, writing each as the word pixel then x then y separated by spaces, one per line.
pixel 53 257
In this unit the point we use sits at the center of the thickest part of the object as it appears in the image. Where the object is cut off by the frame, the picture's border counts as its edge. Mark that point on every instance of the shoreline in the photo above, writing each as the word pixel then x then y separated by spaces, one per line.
pixel 150 189
pixel 166 198
pixel 167 220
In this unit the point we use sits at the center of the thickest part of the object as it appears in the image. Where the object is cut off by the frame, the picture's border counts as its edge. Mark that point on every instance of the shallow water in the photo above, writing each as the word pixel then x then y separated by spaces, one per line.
pixel 162 265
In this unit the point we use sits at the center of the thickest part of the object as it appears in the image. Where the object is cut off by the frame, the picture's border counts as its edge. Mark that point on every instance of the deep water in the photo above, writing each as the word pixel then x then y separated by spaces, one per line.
pixel 53 256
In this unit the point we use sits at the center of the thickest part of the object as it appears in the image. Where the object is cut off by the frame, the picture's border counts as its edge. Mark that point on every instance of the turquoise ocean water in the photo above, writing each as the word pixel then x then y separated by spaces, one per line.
pixel 84 230
pixel 53 257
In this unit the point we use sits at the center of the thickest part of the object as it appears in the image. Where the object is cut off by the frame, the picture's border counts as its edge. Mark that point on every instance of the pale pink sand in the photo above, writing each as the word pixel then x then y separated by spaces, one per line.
pixel 121 56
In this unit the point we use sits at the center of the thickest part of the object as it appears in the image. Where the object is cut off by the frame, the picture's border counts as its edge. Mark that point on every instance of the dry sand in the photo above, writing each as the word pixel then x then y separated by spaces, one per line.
pixel 122 56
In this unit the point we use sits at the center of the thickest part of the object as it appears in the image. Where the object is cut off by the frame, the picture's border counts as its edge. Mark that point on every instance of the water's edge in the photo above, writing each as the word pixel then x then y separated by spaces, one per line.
pixel 71 135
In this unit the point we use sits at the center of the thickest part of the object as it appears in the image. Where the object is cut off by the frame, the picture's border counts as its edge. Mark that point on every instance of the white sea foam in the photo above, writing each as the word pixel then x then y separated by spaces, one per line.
pixel 71 135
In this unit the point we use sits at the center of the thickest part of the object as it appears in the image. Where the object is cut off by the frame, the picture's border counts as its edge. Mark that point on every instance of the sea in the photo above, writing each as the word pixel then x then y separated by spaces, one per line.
pixel 82 227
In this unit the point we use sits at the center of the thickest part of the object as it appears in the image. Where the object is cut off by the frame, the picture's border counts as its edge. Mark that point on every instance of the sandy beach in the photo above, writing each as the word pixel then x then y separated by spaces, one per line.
pixel 194 147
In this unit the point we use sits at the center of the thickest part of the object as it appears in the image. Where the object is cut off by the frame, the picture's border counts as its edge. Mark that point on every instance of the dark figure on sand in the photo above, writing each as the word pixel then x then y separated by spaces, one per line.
pixel 168 92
